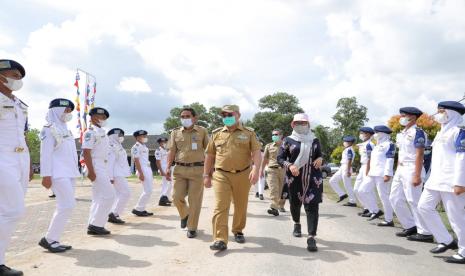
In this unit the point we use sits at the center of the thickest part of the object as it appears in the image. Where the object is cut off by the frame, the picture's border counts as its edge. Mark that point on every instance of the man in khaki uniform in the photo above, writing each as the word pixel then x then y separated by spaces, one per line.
pixel 274 173
pixel 231 152
pixel 187 146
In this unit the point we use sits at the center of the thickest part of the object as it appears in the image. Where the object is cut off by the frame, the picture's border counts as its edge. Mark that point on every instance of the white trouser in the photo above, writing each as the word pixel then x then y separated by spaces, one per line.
pixel 14 177
pixel 341 175
pixel 367 195
pixel 260 186
pixel 166 187
pixel 358 182
pixel 63 188
pixel 103 196
pixel 454 206
pixel 120 183
pixel 384 190
pixel 147 189
pixel 405 195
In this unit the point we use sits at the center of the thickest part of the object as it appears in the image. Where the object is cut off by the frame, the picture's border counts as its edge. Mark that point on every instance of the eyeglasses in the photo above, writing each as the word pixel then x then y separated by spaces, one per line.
pixel 224 115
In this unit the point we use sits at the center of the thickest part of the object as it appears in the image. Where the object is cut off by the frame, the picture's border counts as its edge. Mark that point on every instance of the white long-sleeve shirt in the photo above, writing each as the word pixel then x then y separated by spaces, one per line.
pixel 382 159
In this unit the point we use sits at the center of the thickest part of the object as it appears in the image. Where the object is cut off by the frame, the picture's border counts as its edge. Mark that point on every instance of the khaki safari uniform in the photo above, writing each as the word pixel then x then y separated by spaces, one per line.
pixel 274 175
pixel 189 147
pixel 232 151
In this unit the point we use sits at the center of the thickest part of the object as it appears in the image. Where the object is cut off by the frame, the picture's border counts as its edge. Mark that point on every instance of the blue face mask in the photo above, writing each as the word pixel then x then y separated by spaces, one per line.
pixel 229 121
pixel 275 138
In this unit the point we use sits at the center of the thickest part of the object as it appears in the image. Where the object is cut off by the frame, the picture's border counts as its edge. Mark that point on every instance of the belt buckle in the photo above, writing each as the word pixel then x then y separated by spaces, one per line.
pixel 233 171
pixel 19 149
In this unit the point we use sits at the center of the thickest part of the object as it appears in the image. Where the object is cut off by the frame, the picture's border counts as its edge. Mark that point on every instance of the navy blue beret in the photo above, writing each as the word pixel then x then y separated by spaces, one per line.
pixel 99 111
pixel 348 138
pixel 139 133
pixel 383 129
pixel 61 103
pixel 452 105
pixel 8 64
pixel 367 130
pixel 162 139
pixel 409 110
pixel 118 131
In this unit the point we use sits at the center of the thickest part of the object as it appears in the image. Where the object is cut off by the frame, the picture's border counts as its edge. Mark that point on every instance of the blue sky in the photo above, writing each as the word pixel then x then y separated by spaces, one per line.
pixel 150 56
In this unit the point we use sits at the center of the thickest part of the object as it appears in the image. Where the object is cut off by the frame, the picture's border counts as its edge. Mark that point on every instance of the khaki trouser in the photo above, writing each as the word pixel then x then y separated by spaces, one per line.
pixel 227 187
pixel 188 181
pixel 275 179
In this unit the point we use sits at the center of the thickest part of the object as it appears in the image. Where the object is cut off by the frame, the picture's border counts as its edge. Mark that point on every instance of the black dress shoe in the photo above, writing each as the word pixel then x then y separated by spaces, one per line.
pixel 342 197
pixel 191 234
pixel 112 218
pixel 218 246
pixel 7 271
pixel 456 259
pixel 97 231
pixel 365 211
pixel 407 232
pixel 239 237
pixel 164 201
pixel 421 238
pixel 367 215
pixel 311 245
pixel 53 247
pixel 256 195
pixel 350 204
pixel 261 197
pixel 441 248
pixel 184 222
pixel 140 213
pixel 374 216
pixel 282 210
pixel 297 230
pixel 273 212
pixel 386 224
pixel 147 214
pixel 52 196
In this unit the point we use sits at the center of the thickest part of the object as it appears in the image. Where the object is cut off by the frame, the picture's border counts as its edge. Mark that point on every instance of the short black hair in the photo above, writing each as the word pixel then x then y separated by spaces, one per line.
pixel 190 109
pixel 278 130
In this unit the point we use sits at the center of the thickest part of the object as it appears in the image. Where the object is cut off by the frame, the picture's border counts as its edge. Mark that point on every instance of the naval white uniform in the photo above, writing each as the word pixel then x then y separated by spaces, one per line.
pixel 161 154
pixel 141 151
pixel 341 175
pixel 119 170
pixel 364 150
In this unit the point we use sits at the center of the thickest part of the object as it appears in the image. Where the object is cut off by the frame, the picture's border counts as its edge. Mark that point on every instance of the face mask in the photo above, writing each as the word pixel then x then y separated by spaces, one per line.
pixel 229 121
pixel 102 123
pixel 346 144
pixel 12 84
pixel 186 123
pixel 275 138
pixel 300 129
pixel 404 121
pixel 121 139
pixel 379 135
pixel 441 118
pixel 66 117
pixel 144 140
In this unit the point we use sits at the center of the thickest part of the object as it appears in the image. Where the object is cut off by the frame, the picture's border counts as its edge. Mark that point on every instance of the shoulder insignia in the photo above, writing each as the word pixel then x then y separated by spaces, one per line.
pixel 249 129
pixel 216 130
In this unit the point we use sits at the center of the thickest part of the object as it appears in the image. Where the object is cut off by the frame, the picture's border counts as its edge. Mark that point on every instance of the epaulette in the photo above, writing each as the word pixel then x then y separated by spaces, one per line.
pixel 48 125
pixel 23 103
pixel 461 127
pixel 216 130
pixel 250 129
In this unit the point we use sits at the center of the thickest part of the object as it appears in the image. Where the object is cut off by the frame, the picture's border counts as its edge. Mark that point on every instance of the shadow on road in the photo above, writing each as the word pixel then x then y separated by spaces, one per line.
pixel 142 241
pixel 103 259
pixel 331 216
pixel 148 226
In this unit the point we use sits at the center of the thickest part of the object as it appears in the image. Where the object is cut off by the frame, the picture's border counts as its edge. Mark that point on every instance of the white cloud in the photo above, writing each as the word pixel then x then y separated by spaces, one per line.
pixel 133 85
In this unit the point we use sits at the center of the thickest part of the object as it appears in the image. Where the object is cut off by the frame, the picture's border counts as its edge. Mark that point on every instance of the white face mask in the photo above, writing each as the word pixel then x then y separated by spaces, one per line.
pixel 144 140
pixel 66 117
pixel 186 123
pixel 12 84
pixel 300 129
pixel 441 118
pixel 404 121
pixel 121 139
pixel 102 123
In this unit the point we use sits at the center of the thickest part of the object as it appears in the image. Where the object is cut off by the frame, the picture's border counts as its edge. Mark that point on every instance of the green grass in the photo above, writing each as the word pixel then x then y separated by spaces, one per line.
pixel 329 193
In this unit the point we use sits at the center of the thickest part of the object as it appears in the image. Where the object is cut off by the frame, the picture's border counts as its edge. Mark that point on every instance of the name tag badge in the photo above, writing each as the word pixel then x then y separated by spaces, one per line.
pixel 194 146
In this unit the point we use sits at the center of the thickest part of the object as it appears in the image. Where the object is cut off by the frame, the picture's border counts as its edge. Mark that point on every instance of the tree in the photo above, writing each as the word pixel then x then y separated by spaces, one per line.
pixel 430 126
pixel 276 112
pixel 33 142
pixel 350 116
pixel 323 134
pixel 210 119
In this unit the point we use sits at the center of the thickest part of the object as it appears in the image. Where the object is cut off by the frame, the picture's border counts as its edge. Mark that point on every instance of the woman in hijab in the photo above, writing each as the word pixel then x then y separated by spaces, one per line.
pixel 300 156
pixel 447 182
pixel 59 169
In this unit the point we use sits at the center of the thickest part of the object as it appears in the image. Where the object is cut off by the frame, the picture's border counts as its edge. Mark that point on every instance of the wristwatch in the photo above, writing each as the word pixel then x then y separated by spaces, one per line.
pixel 206 175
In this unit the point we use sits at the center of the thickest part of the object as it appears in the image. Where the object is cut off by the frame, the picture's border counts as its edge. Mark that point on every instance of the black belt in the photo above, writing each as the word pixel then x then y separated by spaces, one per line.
pixel 274 167
pixel 195 164
pixel 234 171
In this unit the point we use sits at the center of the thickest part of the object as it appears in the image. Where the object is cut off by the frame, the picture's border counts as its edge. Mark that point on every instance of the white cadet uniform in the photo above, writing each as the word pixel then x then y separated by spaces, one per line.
pixel 103 193
pixel 381 164
pixel 14 167
pixel 447 171
pixel 364 150
pixel 161 155
pixel 119 170
pixel 260 187
pixel 341 174
pixel 141 151
pixel 402 191
pixel 59 160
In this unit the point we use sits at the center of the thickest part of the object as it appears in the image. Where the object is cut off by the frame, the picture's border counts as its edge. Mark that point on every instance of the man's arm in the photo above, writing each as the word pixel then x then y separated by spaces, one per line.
pixel 208 169
pixel 139 168
pixel 418 166
pixel 90 166
pixel 257 159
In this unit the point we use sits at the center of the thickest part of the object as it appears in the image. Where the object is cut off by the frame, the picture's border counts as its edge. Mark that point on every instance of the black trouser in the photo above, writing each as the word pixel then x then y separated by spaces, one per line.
pixel 311 209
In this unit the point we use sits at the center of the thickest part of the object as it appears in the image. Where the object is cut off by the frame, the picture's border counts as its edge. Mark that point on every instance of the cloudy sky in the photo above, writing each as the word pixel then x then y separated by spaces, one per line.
pixel 149 56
